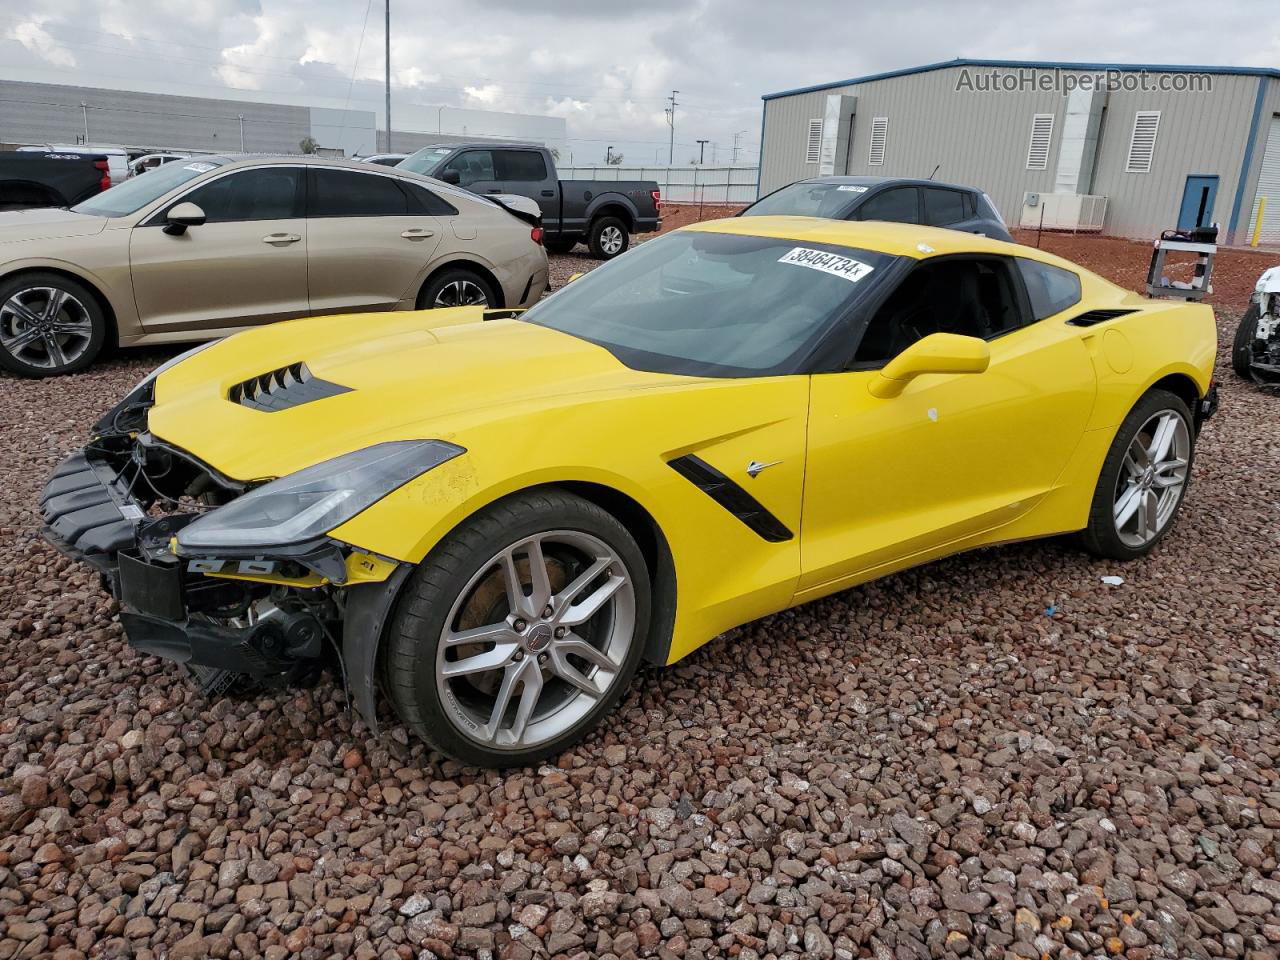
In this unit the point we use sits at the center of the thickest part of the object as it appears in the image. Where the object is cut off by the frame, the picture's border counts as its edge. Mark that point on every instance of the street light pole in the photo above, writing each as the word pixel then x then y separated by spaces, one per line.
pixel 702 150
pixel 240 117
pixel 671 122
pixel 388 59
pixel 84 108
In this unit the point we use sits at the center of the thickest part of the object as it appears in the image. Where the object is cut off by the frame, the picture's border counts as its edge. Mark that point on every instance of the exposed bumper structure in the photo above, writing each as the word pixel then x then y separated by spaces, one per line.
pixel 259 617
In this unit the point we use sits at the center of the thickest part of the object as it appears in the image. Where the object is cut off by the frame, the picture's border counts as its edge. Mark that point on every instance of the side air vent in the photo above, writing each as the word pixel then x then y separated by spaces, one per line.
pixel 281 389
pixel 732 497
pixel 1089 318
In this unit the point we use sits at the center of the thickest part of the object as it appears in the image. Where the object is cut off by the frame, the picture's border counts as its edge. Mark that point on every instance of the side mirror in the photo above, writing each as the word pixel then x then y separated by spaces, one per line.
pixel 936 353
pixel 182 216
pixel 451 176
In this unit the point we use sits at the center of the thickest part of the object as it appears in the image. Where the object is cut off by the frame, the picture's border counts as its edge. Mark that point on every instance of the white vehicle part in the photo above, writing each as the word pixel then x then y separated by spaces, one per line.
pixel 1269 282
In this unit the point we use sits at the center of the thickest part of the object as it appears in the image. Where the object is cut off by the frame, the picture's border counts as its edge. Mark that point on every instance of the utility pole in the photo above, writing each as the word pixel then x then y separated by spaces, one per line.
pixel 671 122
pixel 388 59
pixel 735 144
pixel 240 117
pixel 84 108
pixel 702 150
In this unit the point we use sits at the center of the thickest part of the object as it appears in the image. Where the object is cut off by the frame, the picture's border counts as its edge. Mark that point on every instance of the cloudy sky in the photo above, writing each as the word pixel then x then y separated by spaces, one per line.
pixel 605 66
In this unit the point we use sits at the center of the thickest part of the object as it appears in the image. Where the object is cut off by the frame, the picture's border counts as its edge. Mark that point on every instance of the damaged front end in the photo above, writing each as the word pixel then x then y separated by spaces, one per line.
pixel 237 581
pixel 1257 345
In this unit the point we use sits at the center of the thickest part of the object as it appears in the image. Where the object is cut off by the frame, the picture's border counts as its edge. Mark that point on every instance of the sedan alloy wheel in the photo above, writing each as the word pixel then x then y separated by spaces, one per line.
pixel 45 327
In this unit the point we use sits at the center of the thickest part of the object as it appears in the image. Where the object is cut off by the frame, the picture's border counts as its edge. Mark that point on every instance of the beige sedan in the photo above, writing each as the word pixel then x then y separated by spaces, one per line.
pixel 199 248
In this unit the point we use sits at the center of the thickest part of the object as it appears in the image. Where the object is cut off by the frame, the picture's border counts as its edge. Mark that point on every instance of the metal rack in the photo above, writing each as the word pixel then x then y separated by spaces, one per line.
pixel 1201 241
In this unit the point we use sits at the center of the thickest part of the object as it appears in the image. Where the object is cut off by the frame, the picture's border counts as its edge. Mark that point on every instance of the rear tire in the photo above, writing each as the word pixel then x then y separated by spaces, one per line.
pixel 1242 348
pixel 1144 479
pixel 49 325
pixel 467 697
pixel 608 238
pixel 458 287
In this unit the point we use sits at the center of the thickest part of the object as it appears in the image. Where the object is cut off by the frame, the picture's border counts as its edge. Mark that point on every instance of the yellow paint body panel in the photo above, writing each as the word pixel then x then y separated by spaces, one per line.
pixel 867 485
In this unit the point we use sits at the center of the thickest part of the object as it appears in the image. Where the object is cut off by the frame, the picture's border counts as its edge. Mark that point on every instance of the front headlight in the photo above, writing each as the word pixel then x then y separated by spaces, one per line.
pixel 308 504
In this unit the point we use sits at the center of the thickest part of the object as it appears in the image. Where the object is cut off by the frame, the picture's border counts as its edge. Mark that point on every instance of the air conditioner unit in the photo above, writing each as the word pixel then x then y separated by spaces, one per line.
pixel 1064 211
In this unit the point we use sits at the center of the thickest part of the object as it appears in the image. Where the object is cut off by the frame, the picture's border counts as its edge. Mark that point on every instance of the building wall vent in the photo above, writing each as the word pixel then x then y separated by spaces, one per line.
pixel 813 143
pixel 1142 145
pixel 879 136
pixel 1041 137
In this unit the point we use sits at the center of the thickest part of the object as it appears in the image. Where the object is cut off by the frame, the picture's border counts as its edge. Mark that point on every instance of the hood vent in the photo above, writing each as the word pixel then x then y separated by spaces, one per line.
pixel 282 389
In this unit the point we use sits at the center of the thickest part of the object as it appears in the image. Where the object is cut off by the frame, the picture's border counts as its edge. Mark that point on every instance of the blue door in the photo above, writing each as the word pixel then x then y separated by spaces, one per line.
pixel 1197 201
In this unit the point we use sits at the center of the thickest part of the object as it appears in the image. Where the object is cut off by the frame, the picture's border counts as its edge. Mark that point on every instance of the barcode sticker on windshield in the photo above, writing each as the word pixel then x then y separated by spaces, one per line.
pixel 199 167
pixel 851 188
pixel 832 263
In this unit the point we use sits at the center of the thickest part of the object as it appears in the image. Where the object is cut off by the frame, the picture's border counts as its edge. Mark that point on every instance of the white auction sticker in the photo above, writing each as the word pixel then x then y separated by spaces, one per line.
pixel 199 167
pixel 851 188
pixel 832 263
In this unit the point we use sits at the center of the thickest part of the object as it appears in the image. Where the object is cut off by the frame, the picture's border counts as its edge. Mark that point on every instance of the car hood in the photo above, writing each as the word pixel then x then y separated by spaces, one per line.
pixel 270 401
pixel 47 223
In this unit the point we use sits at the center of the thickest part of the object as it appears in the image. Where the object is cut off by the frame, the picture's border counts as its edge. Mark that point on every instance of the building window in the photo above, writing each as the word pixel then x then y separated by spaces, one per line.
pixel 879 134
pixel 1041 136
pixel 813 144
pixel 1142 145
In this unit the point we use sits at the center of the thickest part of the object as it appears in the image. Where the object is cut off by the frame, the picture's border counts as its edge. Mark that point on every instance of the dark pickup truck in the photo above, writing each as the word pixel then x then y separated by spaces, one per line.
pixel 33 179
pixel 601 213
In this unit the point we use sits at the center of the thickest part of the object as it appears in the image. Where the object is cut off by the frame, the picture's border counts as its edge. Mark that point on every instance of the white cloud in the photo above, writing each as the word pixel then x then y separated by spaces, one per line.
pixel 35 38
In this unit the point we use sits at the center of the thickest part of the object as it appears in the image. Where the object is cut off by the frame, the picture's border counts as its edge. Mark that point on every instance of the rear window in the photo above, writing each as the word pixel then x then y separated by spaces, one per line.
pixel 1051 289
pixel 345 193
pixel 520 165
pixel 943 207
pixel 422 200
pixel 808 199
pixel 898 205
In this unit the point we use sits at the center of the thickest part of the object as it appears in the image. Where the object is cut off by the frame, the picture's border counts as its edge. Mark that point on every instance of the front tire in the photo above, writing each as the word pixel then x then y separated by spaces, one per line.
pixel 49 325
pixel 1143 480
pixel 520 631
pixel 1242 348
pixel 608 238
pixel 457 287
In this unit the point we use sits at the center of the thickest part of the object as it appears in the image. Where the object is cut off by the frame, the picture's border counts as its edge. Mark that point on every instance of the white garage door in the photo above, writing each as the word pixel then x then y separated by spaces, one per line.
pixel 1269 187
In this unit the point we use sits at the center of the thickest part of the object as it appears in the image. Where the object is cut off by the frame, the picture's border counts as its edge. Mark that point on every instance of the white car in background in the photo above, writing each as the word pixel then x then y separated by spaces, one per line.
pixel 149 161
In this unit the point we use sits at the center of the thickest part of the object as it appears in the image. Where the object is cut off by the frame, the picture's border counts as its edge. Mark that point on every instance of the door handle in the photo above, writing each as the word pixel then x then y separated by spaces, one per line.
pixel 548 193
pixel 282 238
pixel 417 233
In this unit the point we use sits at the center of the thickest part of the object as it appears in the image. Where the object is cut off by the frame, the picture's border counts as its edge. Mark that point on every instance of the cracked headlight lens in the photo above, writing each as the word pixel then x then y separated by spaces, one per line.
pixel 308 504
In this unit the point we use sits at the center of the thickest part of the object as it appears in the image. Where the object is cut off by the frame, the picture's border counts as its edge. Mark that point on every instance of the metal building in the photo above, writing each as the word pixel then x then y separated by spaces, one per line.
pixel 1127 149
pixel 34 113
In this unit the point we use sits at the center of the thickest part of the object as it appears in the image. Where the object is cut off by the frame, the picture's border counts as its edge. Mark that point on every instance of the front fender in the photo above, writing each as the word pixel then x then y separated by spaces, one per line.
pixel 114 285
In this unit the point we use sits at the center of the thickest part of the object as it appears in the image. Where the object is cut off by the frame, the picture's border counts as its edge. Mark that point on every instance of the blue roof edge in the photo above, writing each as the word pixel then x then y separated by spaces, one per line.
pixel 1041 64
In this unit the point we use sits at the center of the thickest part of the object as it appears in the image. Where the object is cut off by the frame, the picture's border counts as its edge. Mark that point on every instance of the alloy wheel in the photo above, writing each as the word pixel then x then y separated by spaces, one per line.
pixel 611 240
pixel 461 293
pixel 1152 478
pixel 45 327
pixel 536 639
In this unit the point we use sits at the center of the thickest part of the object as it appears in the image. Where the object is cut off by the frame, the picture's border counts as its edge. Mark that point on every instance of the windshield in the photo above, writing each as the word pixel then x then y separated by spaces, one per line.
pixel 713 304
pixel 808 199
pixel 135 193
pixel 425 160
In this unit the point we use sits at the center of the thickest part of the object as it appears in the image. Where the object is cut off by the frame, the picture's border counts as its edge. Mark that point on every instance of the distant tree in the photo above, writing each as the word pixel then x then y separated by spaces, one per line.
pixel 615 159
pixel 308 145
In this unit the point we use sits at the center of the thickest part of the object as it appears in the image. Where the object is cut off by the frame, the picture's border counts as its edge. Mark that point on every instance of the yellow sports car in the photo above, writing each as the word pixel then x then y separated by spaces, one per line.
pixel 495 516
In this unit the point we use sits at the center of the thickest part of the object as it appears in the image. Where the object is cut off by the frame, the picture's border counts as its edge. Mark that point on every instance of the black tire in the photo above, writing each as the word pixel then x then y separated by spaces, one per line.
pixel 1242 348
pixel 414 634
pixel 462 280
pixel 560 246
pixel 81 311
pixel 1100 537
pixel 602 238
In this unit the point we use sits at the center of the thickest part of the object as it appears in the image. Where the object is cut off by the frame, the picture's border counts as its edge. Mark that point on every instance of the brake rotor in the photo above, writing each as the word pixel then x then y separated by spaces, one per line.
pixel 488 604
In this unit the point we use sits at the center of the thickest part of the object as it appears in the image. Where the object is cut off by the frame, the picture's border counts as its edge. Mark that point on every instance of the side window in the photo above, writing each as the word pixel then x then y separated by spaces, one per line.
pixel 423 201
pixel 899 205
pixel 267 193
pixel 521 165
pixel 472 165
pixel 943 207
pixel 1051 289
pixel 974 298
pixel 345 193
